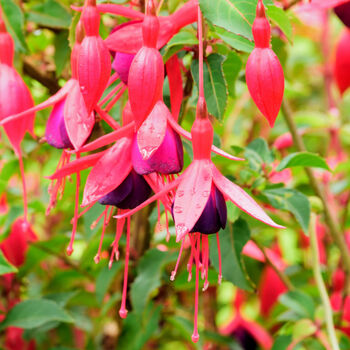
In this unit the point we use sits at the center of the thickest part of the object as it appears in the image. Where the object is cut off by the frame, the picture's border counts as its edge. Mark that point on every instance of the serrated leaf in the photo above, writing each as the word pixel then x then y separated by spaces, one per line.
pixel 231 67
pixel 215 90
pixel 5 266
pixel 51 14
pixel 293 201
pixel 305 159
pixel 299 302
pixel 14 19
pixel 237 42
pixel 148 276
pixel 232 241
pixel 34 313
pixel 280 18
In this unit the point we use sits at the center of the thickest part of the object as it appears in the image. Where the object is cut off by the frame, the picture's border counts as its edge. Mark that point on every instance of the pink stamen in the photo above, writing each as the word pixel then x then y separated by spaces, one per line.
pixel 107 118
pixel 205 250
pixel 115 244
pixel 158 210
pixel 114 77
pixel 167 238
pixel 25 199
pixel 115 99
pixel 110 94
pixel 76 209
pixel 98 255
pixel 93 225
pixel 174 272
pixel 195 335
pixel 123 311
pixel 85 211
pixel 190 260
pixel 219 255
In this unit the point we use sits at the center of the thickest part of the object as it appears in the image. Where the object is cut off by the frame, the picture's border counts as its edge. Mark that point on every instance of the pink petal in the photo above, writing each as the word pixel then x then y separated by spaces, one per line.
pixel 152 131
pixel 109 172
pixel 241 199
pixel 175 85
pixel 79 123
pixel 192 196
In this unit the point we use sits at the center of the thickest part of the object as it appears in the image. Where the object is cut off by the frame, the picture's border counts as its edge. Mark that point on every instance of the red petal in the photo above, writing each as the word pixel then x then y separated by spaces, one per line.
pixel 77 165
pixel 79 123
pixel 342 62
pixel 175 85
pixel 109 172
pixel 94 69
pixel 192 196
pixel 152 131
pixel 265 81
pixel 146 77
pixel 240 198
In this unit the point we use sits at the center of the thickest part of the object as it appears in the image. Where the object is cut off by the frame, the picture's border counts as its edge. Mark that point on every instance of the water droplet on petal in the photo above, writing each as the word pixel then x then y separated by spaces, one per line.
pixel 180 193
pixel 178 210
pixel 181 230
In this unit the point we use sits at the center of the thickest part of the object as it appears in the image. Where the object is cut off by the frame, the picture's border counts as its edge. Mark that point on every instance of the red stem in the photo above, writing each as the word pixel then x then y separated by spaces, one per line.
pixel 200 46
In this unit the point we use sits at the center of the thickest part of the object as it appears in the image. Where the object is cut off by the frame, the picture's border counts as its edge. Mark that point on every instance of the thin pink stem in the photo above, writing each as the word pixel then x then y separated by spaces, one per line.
pixel 173 273
pixel 195 335
pixel 115 99
pixel 113 78
pixel 107 118
pixel 200 46
pixel 98 255
pixel 205 253
pixel 25 199
pixel 76 212
pixel 123 311
pixel 219 257
pixel 110 94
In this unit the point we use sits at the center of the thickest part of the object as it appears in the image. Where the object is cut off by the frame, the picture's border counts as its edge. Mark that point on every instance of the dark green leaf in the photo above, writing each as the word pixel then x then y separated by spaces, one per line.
pixel 5 266
pixel 293 201
pixel 231 68
pixel 232 241
pixel 50 14
pixel 34 313
pixel 304 159
pixel 237 42
pixel 215 90
pixel 299 302
pixel 105 278
pixel 62 51
pixel 6 221
pixel 14 23
pixel 148 276
pixel 282 342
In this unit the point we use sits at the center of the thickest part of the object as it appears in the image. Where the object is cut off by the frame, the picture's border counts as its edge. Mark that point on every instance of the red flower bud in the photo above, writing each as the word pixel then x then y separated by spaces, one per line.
pixel 264 74
pixel 342 62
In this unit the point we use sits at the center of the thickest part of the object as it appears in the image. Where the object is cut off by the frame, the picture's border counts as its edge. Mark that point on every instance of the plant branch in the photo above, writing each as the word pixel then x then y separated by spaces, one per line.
pixel 321 285
pixel 331 223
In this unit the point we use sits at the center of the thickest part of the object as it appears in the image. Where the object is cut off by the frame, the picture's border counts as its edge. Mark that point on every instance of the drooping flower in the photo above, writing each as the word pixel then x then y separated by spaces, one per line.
pixel 342 62
pixel 264 73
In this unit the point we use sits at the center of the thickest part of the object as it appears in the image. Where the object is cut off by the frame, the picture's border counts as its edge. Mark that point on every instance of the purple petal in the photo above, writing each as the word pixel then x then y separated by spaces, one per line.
pixel 56 132
pixel 343 12
pixel 121 65
pixel 133 191
pixel 245 339
pixel 168 159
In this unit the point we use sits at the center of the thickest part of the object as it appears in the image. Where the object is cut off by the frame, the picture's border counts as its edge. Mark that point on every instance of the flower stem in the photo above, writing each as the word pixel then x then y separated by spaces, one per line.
pixel 200 47
pixel 334 229
pixel 25 198
pixel 320 284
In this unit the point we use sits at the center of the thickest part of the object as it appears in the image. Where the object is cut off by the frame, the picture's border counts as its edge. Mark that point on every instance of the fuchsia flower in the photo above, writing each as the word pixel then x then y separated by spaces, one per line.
pixel 121 64
pixel 343 12
pixel 264 73
pixel 342 62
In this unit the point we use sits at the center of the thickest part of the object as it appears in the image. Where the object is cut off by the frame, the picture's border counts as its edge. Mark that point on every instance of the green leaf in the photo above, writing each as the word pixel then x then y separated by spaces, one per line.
pixel 231 67
pixel 50 14
pixel 305 159
pixel 257 153
pixel 139 328
pixel 293 201
pixel 234 15
pixel 237 42
pixel 14 20
pixel 5 266
pixel 215 90
pixel 178 42
pixel 299 302
pixel 148 276
pixel 282 342
pixel 232 241
pixel 6 221
pixel 62 51
pixel 280 18
pixel 34 313
pixel 105 278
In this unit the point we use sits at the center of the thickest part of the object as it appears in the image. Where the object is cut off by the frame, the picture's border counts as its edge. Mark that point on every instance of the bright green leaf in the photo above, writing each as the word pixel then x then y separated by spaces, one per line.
pixel 231 67
pixel 304 159
pixel 280 18
pixel 299 302
pixel 5 266
pixel 62 51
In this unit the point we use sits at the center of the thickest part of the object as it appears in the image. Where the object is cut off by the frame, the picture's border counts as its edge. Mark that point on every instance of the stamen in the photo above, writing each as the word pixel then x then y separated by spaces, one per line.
pixel 205 253
pixel 76 208
pixel 158 219
pixel 123 311
pixel 115 99
pixel 173 273
pixel 98 255
pixel 110 94
pixel 107 118
pixel 25 199
pixel 219 255
pixel 195 335
pixel 167 238
pixel 190 260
